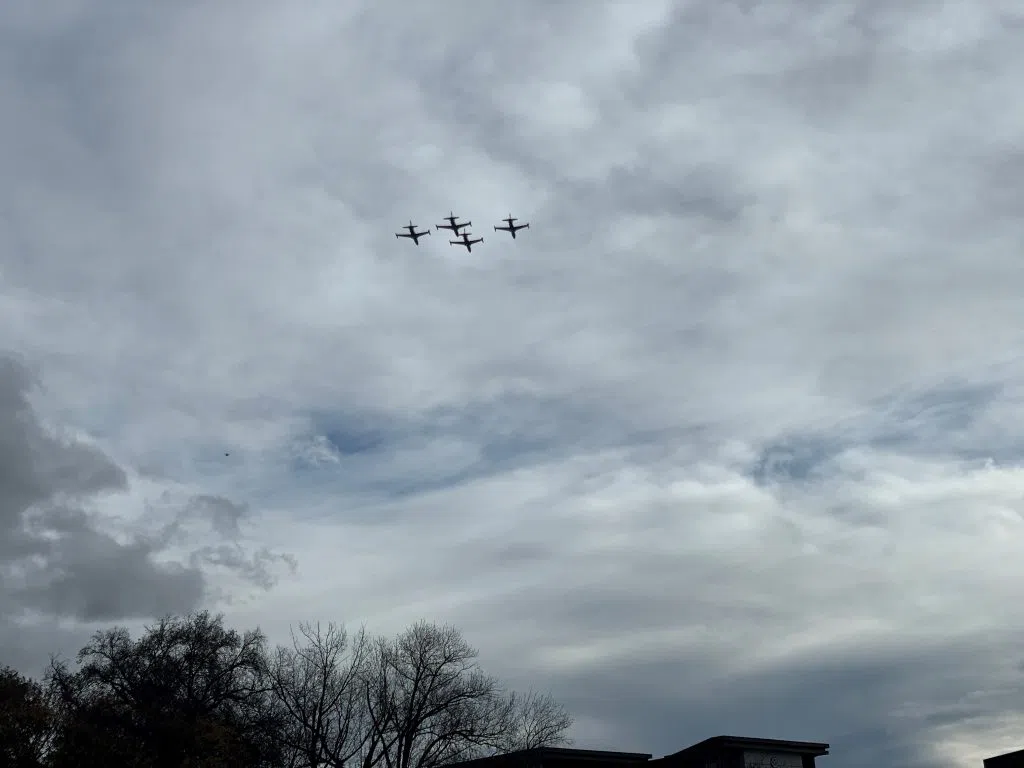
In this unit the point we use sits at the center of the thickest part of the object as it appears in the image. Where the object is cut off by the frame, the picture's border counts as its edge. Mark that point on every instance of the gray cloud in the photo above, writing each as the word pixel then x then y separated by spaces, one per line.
pixel 224 515
pixel 95 578
pixel 55 559
pixel 950 420
pixel 58 556
pixel 800 701
pixel 258 568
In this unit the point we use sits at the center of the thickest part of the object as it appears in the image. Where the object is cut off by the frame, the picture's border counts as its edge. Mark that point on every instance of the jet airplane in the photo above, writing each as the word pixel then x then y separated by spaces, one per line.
pixel 466 242
pixel 412 234
pixel 512 228
pixel 455 228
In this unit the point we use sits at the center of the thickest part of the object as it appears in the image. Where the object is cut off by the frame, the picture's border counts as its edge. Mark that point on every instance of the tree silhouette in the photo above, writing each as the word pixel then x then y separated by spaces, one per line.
pixel 191 693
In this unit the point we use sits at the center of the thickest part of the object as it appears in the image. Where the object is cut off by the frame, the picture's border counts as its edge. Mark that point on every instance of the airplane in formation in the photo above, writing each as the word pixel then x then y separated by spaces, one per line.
pixel 512 228
pixel 461 230
pixel 412 234
pixel 455 228
pixel 466 242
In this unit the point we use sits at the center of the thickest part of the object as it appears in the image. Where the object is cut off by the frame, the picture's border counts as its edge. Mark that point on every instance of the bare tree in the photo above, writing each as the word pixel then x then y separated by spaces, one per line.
pixel 191 692
pixel 27 721
pixel 536 720
pixel 430 704
pixel 319 683
pixel 186 689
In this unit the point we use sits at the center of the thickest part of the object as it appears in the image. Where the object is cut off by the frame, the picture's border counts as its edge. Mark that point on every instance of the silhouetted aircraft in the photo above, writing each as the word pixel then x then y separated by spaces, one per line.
pixel 511 228
pixel 450 218
pixel 412 234
pixel 465 241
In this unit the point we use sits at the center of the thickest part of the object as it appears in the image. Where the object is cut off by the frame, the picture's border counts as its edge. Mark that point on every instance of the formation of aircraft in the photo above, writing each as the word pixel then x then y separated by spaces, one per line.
pixel 412 234
pixel 461 230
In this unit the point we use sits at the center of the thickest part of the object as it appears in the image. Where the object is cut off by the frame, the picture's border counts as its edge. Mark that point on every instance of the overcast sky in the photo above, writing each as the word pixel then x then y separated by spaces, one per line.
pixel 727 442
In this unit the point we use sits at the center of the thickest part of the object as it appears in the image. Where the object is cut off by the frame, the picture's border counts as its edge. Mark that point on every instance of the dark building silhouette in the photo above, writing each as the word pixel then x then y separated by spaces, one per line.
pixel 743 752
pixel 1009 760
pixel 558 757
pixel 717 752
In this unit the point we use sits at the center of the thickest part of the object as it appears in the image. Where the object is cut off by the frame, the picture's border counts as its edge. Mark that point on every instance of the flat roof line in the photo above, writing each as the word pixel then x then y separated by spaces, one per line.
pixel 816 748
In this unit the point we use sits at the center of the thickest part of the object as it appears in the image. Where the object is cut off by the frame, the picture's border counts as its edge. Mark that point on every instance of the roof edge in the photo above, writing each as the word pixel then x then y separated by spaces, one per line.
pixel 816 748
pixel 564 752
pixel 595 753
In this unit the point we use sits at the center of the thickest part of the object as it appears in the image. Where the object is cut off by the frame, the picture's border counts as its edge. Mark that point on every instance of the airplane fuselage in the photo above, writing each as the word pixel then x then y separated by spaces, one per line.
pixel 511 228
pixel 466 242
pixel 452 226
pixel 412 234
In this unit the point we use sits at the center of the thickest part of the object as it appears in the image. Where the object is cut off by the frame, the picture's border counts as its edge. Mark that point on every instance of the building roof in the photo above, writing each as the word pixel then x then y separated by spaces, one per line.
pixel 534 758
pixel 813 748
pixel 541 754
pixel 592 754
pixel 1008 759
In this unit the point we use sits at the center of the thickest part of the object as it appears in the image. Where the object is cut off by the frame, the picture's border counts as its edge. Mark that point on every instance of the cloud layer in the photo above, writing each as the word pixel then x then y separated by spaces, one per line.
pixel 64 555
pixel 723 443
